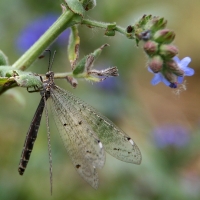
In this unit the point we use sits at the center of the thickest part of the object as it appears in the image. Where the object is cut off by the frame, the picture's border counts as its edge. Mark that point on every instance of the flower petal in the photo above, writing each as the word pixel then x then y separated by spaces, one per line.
pixel 176 59
pixel 149 69
pixel 189 71
pixel 180 79
pixel 156 79
pixel 184 62
pixel 165 81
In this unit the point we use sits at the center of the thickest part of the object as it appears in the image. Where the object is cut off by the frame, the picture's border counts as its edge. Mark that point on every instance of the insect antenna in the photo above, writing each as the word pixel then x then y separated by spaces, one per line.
pixel 50 59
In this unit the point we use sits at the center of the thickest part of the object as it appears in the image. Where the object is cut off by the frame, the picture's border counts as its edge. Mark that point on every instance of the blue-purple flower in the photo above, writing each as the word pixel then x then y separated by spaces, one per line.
pixel 182 65
pixel 171 135
pixel 32 32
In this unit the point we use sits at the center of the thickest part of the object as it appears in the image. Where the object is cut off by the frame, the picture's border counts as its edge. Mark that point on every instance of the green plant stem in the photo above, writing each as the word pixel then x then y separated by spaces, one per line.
pixel 103 25
pixel 59 75
pixel 64 21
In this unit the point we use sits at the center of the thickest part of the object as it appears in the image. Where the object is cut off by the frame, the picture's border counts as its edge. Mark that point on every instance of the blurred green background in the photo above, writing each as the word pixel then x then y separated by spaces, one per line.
pixel 164 124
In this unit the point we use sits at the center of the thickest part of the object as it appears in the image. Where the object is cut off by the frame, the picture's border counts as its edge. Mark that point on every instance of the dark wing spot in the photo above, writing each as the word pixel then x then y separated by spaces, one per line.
pixel 78 166
pixel 88 151
pixel 64 124
pixel 80 122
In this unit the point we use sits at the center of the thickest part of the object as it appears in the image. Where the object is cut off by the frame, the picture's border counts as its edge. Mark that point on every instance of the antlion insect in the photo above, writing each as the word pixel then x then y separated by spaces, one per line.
pixel 84 132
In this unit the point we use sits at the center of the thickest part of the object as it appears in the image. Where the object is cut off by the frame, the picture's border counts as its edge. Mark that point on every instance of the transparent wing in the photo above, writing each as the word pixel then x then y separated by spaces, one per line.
pixel 83 146
pixel 114 140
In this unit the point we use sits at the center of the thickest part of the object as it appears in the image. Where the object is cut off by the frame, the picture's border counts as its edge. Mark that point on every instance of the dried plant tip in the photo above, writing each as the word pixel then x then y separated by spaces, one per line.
pixel 63 7
pixel 112 71
pixel 89 62
pixel 104 45
pixel 72 81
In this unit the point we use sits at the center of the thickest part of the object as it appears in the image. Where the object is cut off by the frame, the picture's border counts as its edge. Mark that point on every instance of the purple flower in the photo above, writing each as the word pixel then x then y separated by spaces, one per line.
pixel 110 84
pixel 182 64
pixel 32 32
pixel 171 135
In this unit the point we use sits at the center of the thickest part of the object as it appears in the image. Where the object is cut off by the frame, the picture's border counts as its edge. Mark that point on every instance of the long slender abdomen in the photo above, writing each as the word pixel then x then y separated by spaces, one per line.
pixel 31 137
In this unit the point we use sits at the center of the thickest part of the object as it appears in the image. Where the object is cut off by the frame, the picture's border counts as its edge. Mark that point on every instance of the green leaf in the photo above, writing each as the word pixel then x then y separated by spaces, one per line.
pixel 73 46
pixel 23 79
pixel 3 80
pixel 76 7
pixel 86 63
pixel 110 31
pixel 80 67
pixel 28 79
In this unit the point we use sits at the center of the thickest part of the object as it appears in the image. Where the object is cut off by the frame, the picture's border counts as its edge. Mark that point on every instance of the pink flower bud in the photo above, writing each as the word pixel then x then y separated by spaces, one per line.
pixel 173 67
pixel 164 36
pixel 156 64
pixel 168 51
pixel 150 47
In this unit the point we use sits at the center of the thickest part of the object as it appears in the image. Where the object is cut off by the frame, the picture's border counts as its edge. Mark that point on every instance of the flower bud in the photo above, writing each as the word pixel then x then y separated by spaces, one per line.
pixel 164 36
pixel 130 29
pixel 172 78
pixel 172 65
pixel 158 23
pixel 168 51
pixel 156 64
pixel 150 47
pixel 88 5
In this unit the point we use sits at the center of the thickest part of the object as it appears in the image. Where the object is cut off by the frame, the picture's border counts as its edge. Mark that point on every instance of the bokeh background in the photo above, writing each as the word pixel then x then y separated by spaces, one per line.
pixel 164 122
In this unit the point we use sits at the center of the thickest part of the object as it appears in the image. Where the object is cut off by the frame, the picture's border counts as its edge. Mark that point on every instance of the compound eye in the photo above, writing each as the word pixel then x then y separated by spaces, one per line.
pixel 47 75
